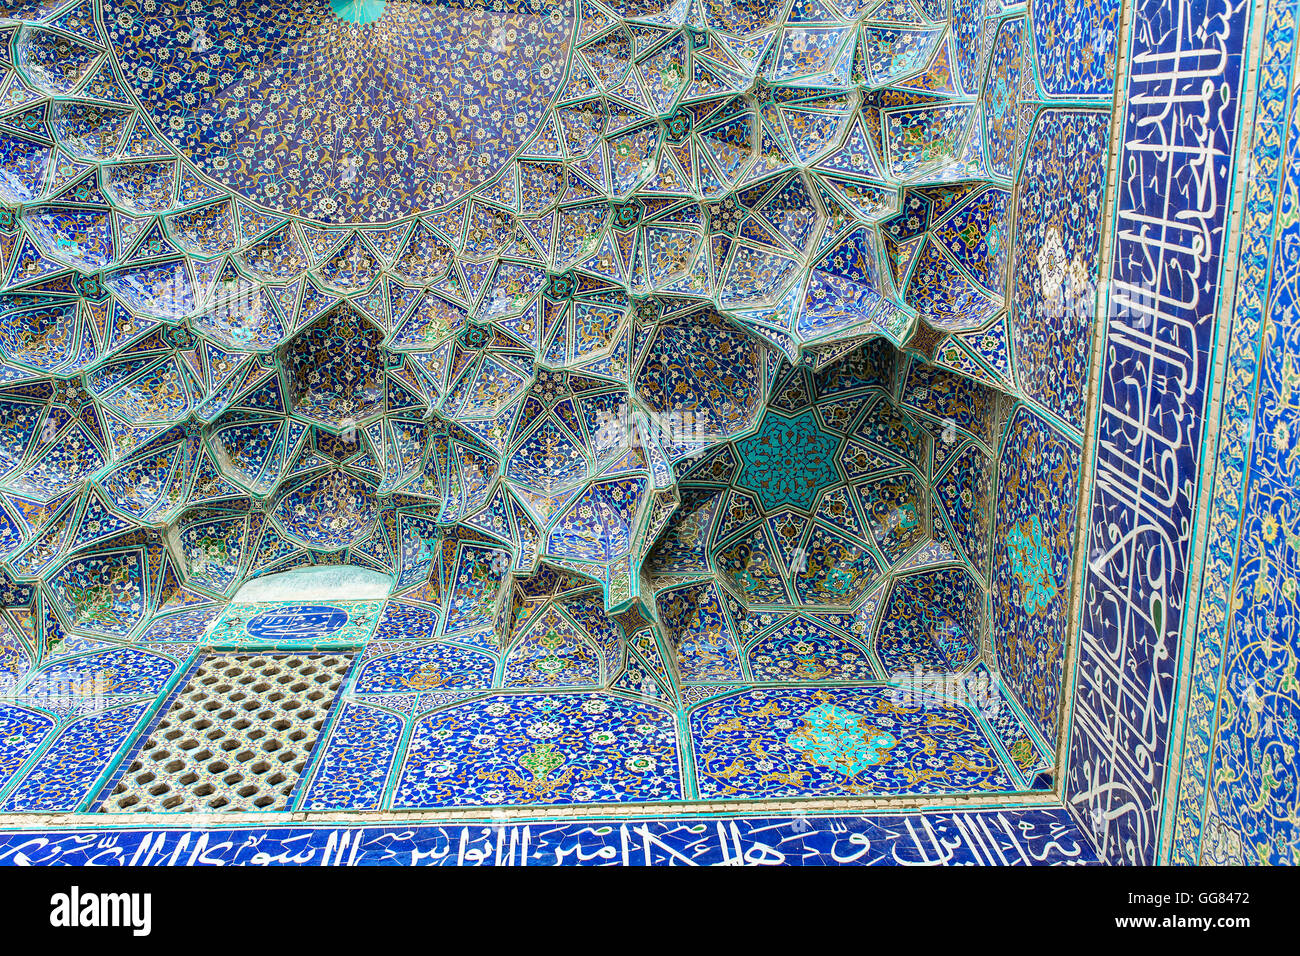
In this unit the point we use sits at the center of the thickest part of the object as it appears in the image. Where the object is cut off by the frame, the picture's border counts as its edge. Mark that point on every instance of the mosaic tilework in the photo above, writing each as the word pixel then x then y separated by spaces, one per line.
pixel 1057 243
pixel 402 621
pixel 24 731
pixel 1037 488
pixel 1236 792
pixel 439 666
pixel 804 649
pixel 706 649
pixel 237 125
pixel 605 315
pixel 1204 829
pixel 553 652
pixel 788 462
pixel 236 736
pixel 1075 43
pixel 814 528
pixel 356 762
pixel 964 492
pixel 1015 836
pixel 779 743
pixel 294 625
pixel 119 672
pixel 931 619
pixel 65 774
pixel 589 748
pixel 1029 756
pixel 252 318
pixel 1154 383
pixel 183 627
pixel 1007 66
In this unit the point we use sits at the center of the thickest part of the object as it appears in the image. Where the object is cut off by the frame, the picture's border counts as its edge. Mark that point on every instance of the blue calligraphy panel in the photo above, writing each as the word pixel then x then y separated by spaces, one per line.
pixel 291 625
pixel 1180 128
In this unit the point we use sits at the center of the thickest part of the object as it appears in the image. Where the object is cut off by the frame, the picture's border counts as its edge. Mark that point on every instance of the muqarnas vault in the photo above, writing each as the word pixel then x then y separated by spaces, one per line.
pixel 686 402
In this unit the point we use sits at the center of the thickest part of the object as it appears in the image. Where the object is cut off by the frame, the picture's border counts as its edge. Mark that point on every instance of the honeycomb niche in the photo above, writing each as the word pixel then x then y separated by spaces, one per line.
pixel 654 407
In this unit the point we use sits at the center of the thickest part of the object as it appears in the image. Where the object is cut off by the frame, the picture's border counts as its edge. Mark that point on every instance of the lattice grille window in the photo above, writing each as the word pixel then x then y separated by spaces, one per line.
pixel 237 736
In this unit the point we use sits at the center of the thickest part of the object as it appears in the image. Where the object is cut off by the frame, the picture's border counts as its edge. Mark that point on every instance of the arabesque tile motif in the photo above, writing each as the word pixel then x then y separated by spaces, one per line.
pixel 711 382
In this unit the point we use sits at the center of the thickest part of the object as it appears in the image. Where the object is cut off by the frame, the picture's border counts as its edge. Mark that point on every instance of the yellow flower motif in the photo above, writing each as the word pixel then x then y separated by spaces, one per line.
pixel 1281 436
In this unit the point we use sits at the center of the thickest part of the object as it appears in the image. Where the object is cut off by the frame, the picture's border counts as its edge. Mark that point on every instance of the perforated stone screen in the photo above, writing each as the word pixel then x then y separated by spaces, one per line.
pixel 236 737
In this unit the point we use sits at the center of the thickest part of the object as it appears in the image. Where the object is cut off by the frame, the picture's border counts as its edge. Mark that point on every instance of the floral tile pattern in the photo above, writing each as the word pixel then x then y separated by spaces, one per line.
pixel 689 371
pixel 316 308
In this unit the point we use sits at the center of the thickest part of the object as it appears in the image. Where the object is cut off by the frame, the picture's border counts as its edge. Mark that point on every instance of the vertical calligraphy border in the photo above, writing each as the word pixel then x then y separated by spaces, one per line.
pixel 1121 805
